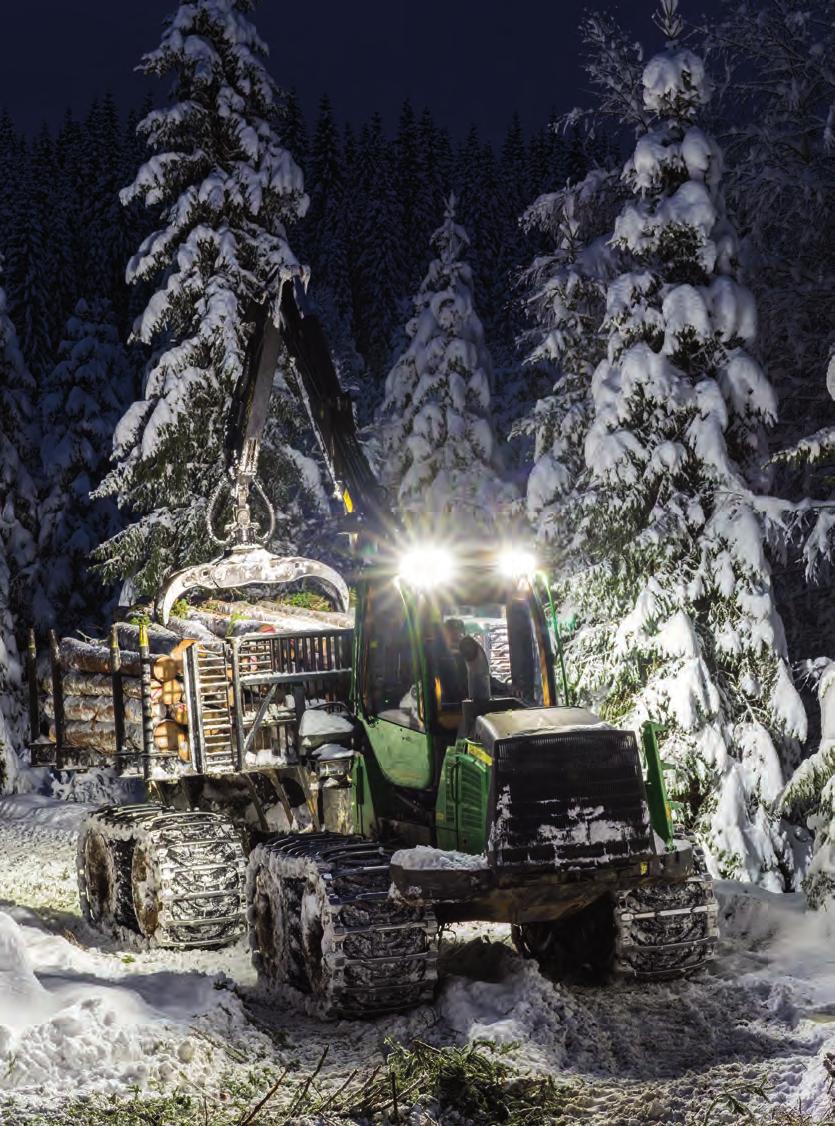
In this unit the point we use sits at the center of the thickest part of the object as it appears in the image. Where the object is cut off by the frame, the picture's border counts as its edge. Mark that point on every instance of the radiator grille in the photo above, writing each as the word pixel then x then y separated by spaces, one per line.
pixel 573 799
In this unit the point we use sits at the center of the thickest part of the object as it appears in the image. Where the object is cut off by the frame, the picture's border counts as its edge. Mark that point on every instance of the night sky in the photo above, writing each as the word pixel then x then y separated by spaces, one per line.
pixel 468 60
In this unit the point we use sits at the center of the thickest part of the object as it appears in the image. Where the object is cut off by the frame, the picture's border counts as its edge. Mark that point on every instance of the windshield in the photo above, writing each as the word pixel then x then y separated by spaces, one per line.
pixel 492 644
pixel 487 649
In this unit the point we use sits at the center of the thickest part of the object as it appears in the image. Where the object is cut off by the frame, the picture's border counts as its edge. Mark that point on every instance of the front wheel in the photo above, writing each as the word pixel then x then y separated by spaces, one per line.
pixel 580 947
pixel 666 929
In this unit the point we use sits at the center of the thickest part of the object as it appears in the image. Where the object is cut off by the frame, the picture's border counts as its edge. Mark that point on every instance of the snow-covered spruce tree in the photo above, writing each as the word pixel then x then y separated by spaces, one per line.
pixel 565 285
pixel 83 398
pixel 225 187
pixel 810 796
pixel 439 451
pixel 17 548
pixel 672 585
pixel 777 112
pixel 565 302
pixel 777 107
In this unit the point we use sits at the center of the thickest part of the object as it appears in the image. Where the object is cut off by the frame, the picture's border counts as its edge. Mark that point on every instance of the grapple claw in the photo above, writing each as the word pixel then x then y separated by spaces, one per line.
pixel 247 565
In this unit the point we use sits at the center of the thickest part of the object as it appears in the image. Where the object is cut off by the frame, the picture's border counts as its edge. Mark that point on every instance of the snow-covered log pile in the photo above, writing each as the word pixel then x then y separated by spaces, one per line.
pixel 232 619
pixel 89 712
pixel 89 721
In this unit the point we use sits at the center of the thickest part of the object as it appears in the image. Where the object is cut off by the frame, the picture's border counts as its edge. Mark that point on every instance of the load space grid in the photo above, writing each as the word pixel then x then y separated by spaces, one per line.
pixel 214 708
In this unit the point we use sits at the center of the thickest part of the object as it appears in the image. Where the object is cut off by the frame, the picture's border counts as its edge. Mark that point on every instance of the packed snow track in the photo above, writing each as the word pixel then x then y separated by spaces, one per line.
pixel 80 1015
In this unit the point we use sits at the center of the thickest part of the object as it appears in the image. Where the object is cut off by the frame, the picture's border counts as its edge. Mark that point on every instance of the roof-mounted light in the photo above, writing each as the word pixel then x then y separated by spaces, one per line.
pixel 517 563
pixel 426 567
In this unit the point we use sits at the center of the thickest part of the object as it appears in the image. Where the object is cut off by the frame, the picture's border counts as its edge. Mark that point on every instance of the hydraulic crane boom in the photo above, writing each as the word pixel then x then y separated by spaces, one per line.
pixel 330 412
pixel 297 330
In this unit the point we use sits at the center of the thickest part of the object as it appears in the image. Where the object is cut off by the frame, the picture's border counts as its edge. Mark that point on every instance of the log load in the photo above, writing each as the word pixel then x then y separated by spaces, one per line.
pixel 94 657
pixel 94 684
pixel 87 684
pixel 281 614
pixel 100 709
pixel 87 694
pixel 170 737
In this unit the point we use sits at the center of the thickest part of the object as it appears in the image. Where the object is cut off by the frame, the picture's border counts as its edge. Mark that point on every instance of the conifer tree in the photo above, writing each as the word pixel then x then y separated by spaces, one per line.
pixel 565 302
pixel 439 451
pixel 481 209
pixel 327 243
pixel 777 110
pixel 226 186
pixel 83 398
pixel 434 173
pixel 30 302
pixel 10 172
pixel 104 222
pixel 408 187
pixel 379 266
pixel 17 549
pixel 294 128
pixel 667 528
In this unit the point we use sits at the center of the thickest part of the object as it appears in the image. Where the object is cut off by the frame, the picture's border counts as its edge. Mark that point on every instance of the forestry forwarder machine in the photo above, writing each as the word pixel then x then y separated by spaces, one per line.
pixel 444 781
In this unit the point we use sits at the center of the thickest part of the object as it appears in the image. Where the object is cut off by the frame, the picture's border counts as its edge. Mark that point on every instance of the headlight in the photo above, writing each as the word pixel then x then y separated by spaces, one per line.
pixel 516 563
pixel 425 567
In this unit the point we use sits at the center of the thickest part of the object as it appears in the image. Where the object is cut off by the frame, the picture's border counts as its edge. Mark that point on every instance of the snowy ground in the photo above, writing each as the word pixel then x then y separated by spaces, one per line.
pixel 79 1015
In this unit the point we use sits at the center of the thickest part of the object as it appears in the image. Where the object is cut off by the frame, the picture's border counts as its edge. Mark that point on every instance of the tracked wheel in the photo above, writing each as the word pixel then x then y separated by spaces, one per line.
pixel 158 877
pixel 581 946
pixel 321 921
pixel 666 929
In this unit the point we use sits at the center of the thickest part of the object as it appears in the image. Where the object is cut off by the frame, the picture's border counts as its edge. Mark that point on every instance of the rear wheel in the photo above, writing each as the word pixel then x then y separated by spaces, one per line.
pixel 160 877
pixel 97 863
pixel 321 921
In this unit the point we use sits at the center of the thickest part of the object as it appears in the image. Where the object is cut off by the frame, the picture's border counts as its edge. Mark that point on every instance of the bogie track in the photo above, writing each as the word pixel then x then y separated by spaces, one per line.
pixel 321 921
pixel 660 930
pixel 159 877
pixel 666 929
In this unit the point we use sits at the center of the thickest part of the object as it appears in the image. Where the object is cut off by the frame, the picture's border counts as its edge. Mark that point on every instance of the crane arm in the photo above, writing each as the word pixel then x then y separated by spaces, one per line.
pixel 298 331
pixel 330 412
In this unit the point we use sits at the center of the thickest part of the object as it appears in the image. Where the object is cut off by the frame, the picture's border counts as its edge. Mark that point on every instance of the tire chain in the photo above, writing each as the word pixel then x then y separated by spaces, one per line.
pixel 319 905
pixel 194 865
pixel 666 929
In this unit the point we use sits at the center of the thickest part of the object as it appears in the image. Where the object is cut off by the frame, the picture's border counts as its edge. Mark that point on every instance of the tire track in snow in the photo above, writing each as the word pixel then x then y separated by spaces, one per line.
pixel 632 1054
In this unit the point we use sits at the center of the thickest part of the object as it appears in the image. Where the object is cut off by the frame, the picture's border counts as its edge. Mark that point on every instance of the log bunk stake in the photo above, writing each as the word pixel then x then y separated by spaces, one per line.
pixel 57 698
pixel 118 698
pixel 147 703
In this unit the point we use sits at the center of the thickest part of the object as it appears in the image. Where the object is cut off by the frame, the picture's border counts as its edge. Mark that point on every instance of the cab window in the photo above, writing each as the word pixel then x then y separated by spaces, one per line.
pixel 391 680
pixel 515 649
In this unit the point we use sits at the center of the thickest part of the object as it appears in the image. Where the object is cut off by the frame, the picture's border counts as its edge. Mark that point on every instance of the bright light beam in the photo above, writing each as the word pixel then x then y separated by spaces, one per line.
pixel 517 563
pixel 427 567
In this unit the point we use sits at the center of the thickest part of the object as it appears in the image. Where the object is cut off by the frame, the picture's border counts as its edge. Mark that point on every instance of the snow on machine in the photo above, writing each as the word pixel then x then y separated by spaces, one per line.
pixel 422 762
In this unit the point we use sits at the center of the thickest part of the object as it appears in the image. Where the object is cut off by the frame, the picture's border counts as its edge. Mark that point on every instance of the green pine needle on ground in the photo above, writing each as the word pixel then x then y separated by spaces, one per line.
pixel 469 1086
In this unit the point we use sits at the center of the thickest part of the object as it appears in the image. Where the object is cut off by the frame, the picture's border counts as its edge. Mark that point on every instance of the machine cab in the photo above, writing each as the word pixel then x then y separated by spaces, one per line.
pixel 437 632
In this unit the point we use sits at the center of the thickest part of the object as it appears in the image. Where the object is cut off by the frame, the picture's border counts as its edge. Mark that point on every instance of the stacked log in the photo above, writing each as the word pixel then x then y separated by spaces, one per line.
pixel 232 619
pixel 85 670
pixel 87 693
